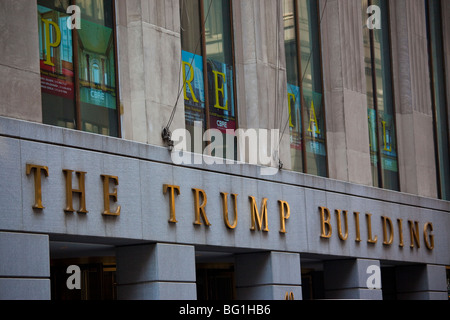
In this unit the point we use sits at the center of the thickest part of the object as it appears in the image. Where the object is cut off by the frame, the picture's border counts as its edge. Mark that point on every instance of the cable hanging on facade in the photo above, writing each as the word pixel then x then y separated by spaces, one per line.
pixel 166 133
pixel 277 78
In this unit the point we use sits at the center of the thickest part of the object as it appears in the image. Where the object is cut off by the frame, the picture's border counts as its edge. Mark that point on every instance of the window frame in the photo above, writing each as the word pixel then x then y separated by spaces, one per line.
pixel 381 183
pixel 203 52
pixel 301 86
pixel 77 99
pixel 428 5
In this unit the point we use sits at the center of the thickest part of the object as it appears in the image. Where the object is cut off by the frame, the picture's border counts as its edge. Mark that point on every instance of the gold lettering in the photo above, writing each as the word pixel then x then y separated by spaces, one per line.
pixel 358 233
pixel 285 214
pixel 81 191
pixel 200 208
pixel 289 296
pixel 225 210
pixel 256 218
pixel 342 236
pixel 400 232
pixel 107 195
pixel 189 82
pixel 48 44
pixel 325 223
pixel 370 239
pixel 414 233
pixel 173 190
pixel 37 183
pixel 386 221
pixel 220 90
pixel 429 238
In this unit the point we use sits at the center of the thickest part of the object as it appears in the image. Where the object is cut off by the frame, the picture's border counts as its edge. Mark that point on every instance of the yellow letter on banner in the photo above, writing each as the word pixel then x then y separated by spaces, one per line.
pixel 48 44
pixel 189 82
pixel 221 90
pixel 313 119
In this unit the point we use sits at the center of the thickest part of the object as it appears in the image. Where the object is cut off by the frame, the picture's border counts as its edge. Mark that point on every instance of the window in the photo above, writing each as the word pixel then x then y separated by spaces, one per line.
pixel 305 87
pixel 439 96
pixel 208 67
pixel 78 67
pixel 380 98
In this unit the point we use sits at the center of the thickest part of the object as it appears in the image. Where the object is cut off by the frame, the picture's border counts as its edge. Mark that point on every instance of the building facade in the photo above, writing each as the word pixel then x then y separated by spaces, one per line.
pixel 224 149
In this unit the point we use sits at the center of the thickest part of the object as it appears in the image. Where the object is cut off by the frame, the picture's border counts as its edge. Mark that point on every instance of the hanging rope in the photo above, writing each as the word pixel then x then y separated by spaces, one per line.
pixel 166 134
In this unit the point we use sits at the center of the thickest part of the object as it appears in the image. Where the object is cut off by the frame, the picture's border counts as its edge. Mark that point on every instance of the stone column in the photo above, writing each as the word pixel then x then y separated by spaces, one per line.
pixel 261 69
pixel 347 279
pixel 20 78
pixel 421 282
pixel 414 115
pixel 24 267
pixel 149 45
pixel 345 91
pixel 156 272
pixel 268 276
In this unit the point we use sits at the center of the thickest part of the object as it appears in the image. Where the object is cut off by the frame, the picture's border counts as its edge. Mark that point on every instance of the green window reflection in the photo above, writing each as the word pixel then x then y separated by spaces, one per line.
pixel 57 65
pixel 439 96
pixel 208 68
pixel 305 87
pixel 380 99
pixel 78 67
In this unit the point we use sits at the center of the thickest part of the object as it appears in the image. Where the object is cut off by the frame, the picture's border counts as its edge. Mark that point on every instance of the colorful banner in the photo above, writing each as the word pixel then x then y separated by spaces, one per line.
pixel 314 123
pixel 194 92
pixel 295 118
pixel 56 54
pixel 221 96
pixel 387 145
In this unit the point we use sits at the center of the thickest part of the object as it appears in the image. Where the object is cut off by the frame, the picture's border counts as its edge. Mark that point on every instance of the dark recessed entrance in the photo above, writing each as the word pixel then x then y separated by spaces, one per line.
pixel 97 279
pixel 215 276
pixel 97 271
pixel 215 282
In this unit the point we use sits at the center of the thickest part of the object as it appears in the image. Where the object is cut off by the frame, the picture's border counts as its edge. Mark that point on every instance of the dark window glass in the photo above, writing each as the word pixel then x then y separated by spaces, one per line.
pixel 78 72
pixel 439 94
pixel 208 67
pixel 305 88
pixel 380 98
pixel 57 64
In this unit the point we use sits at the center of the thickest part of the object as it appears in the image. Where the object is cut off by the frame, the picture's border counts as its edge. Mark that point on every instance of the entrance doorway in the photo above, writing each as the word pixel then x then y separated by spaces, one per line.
pixel 215 276
pixel 97 280
pixel 215 282
pixel 94 275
